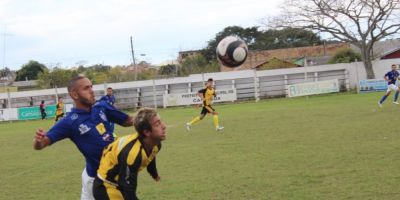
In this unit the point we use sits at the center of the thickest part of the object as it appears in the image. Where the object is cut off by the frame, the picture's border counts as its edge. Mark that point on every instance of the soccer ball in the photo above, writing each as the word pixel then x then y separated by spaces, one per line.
pixel 232 51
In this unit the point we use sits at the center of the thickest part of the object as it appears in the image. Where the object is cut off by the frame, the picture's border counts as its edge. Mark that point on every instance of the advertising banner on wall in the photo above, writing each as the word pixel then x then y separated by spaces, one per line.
pixel 311 88
pixel 28 113
pixel 372 85
pixel 192 98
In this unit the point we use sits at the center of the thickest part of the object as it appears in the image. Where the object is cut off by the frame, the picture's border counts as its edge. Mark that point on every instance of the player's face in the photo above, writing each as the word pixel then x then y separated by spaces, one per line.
pixel 158 127
pixel 394 67
pixel 84 92
pixel 209 84
pixel 109 92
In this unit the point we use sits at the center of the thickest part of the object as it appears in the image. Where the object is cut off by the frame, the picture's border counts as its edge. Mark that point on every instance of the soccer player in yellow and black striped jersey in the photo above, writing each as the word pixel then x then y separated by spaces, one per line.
pixel 207 95
pixel 124 158
pixel 60 109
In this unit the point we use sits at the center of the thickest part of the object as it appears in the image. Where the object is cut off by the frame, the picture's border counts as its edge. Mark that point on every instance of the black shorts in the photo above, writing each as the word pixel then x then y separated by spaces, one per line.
pixel 105 191
pixel 207 109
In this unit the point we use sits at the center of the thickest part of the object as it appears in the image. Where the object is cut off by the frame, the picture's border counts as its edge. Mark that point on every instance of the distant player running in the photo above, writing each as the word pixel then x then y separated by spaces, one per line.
pixel 122 160
pixel 207 94
pixel 60 109
pixel 391 77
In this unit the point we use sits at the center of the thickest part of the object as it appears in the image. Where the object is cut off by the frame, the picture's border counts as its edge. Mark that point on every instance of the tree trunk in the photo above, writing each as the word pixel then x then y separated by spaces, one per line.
pixel 366 56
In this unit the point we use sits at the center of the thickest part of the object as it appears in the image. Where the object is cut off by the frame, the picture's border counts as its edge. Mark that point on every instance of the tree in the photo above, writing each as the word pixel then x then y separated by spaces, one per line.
pixel 257 39
pixel 249 35
pixel 345 56
pixel 168 70
pixel 57 77
pixel 359 22
pixel 30 71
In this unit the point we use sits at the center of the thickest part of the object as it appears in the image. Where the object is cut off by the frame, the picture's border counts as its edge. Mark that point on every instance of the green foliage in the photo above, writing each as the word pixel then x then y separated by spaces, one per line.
pixel 56 77
pixel 197 64
pixel 345 56
pixel 30 71
pixel 168 70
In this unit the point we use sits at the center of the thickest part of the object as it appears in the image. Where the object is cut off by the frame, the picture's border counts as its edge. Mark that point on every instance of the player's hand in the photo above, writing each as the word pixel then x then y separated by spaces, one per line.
pixel 39 139
pixel 40 133
pixel 157 179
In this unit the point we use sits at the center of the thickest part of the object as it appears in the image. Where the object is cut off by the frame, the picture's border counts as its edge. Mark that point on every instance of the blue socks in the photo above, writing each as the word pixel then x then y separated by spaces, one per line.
pixel 396 96
pixel 383 99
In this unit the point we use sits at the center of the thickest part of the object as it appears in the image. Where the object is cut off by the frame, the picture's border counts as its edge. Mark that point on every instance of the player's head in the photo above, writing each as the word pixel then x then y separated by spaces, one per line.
pixel 42 101
pixel 394 67
pixel 149 125
pixel 81 91
pixel 209 82
pixel 60 99
pixel 109 91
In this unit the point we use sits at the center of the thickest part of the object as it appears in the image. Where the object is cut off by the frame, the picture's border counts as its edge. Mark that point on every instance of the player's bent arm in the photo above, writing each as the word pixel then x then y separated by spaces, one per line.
pixel 152 169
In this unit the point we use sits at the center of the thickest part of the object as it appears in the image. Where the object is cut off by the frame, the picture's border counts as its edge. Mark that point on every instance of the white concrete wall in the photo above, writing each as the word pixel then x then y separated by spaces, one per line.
pixel 248 83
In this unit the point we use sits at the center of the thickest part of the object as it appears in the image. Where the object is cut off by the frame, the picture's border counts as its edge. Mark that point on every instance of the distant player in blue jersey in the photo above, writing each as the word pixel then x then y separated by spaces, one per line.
pixel 391 77
pixel 110 99
pixel 87 125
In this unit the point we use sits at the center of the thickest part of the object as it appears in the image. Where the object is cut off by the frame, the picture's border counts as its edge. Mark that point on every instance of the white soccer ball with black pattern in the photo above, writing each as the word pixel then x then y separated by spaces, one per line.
pixel 232 51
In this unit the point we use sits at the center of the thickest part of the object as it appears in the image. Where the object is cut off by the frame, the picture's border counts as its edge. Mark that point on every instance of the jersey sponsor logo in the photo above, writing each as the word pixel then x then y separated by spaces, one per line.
pixel 100 128
pixel 83 128
pixel 74 116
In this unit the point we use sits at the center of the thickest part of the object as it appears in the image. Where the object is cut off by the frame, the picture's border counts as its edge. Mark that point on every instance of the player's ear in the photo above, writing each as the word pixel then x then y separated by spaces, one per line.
pixel 146 133
pixel 73 94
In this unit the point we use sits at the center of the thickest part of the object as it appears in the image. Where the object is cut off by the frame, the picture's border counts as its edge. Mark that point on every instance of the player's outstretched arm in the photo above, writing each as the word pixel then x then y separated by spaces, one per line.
pixel 128 122
pixel 40 140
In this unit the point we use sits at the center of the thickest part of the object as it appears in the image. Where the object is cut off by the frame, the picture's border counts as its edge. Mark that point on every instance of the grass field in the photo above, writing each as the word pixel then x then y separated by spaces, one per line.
pixel 327 147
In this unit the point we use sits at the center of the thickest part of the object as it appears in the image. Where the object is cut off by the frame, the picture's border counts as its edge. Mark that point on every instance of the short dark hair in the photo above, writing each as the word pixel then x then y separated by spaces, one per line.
pixel 72 82
pixel 109 88
pixel 210 79
pixel 142 120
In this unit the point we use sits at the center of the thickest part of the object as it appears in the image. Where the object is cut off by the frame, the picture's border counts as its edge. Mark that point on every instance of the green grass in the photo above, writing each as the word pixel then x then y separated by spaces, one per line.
pixel 323 147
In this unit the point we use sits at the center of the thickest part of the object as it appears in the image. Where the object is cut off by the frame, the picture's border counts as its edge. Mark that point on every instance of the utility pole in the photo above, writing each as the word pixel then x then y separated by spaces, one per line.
pixel 133 58
pixel 4 46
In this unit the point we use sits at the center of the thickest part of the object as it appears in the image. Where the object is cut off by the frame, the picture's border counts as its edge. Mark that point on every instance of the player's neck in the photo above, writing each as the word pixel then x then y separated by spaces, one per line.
pixel 81 106
pixel 148 144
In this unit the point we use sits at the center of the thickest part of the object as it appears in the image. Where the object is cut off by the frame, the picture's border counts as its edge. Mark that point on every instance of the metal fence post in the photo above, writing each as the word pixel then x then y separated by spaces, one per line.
pixel 154 94
pixel 256 84
pixel 9 98
pixel 315 76
pixel 164 98
pixel 347 79
pixel 285 78
pixel 138 99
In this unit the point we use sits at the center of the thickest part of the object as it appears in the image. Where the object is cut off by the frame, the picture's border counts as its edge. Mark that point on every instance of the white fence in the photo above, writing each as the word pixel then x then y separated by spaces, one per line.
pixel 248 84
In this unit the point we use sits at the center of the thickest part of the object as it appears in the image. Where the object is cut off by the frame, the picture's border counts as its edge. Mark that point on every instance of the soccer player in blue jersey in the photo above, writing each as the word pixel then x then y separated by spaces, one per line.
pixel 110 99
pixel 87 125
pixel 391 77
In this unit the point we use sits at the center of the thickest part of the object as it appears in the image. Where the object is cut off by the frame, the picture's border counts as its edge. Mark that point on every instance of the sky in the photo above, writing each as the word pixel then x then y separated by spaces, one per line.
pixel 70 32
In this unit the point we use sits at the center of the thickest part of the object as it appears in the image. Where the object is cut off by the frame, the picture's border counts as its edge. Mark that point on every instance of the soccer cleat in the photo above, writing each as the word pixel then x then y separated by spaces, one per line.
pixel 379 104
pixel 219 128
pixel 187 126
pixel 395 102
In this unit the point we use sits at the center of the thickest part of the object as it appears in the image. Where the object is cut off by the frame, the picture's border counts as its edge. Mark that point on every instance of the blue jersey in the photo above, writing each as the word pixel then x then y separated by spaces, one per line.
pixel 109 99
pixel 90 131
pixel 392 76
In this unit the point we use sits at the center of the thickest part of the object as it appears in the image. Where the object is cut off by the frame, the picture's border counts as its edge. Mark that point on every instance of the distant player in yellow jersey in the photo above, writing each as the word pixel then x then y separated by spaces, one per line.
pixel 124 158
pixel 207 95
pixel 60 109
